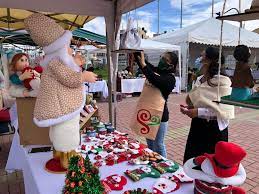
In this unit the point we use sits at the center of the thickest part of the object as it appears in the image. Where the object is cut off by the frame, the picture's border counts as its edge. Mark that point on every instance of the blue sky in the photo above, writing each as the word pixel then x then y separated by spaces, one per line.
pixel 170 11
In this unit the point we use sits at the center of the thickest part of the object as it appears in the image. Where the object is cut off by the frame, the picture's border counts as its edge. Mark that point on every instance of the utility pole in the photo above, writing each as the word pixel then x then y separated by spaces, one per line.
pixel 158 16
pixel 212 9
pixel 181 24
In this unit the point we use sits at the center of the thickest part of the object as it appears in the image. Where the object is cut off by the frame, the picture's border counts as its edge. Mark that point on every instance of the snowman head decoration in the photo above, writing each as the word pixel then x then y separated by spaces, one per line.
pixel 116 178
pixel 146 169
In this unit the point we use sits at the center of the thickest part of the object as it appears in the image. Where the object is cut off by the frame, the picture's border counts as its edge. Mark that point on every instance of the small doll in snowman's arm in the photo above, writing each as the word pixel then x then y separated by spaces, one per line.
pixel 218 173
pixel 61 96
pixel 24 75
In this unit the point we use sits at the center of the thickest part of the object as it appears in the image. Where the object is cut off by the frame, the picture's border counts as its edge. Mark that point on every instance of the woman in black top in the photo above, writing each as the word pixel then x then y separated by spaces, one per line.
pixel 162 78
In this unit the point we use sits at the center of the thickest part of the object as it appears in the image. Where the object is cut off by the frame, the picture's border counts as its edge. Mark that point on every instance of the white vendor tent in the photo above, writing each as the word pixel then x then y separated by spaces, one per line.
pixel 153 49
pixel 207 32
pixel 112 10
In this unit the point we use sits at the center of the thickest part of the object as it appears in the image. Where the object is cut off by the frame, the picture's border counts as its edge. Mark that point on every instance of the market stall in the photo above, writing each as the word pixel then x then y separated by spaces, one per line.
pixel 35 175
pixel 153 50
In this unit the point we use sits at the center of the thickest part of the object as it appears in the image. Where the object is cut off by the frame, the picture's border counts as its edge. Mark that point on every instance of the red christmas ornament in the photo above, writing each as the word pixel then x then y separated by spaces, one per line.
pixel 82 170
pixel 83 147
pixel 73 174
pixel 80 183
pixel 67 181
pixel 72 185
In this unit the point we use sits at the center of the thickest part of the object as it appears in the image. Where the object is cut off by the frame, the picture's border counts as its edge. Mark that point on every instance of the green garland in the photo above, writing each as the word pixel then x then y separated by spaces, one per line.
pixel 82 177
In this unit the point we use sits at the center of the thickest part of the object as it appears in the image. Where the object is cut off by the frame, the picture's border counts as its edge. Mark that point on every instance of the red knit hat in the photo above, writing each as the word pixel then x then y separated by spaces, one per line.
pixel 226 159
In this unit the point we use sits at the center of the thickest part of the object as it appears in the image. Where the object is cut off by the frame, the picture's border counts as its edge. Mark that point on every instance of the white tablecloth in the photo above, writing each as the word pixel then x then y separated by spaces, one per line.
pixel 132 85
pixel 38 181
pixel 136 85
pixel 99 86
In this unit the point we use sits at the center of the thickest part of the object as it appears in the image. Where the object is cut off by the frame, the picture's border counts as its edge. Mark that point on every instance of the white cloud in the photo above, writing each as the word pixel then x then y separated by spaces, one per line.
pixel 249 25
pixel 202 14
pixel 187 3
pixel 142 19
pixel 97 25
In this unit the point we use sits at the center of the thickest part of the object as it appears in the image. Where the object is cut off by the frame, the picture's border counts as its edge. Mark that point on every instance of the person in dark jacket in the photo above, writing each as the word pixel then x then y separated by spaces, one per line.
pixel 163 78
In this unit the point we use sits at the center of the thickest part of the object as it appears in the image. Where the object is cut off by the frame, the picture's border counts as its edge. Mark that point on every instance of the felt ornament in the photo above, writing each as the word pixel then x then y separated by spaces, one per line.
pixel 85 149
pixel 101 155
pixel 142 172
pixel 96 149
pixel 166 166
pixel 115 182
pixel 111 159
pixel 100 163
pixel 108 147
pixel 164 185
pixel 181 177
pixel 134 145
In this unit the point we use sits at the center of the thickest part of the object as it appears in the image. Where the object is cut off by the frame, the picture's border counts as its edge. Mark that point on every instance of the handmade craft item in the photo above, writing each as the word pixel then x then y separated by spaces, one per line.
pixel 61 95
pixel 82 177
pixel 115 182
pixel 110 129
pixel 166 166
pixel 19 65
pixel 164 185
pixel 180 176
pixel 142 172
pixel 218 173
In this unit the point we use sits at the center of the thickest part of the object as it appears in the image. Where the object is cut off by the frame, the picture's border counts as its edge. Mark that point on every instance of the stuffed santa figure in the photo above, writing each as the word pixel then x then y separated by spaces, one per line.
pixel 218 173
pixel 62 94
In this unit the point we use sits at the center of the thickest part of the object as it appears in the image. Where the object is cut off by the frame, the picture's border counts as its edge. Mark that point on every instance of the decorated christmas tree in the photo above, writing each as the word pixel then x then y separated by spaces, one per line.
pixel 82 177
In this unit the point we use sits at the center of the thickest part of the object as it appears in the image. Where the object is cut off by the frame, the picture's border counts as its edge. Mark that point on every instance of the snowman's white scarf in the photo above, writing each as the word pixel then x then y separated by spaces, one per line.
pixel 208 175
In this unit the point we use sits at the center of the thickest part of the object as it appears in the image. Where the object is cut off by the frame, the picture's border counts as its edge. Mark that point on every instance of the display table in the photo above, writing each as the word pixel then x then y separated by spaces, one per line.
pixel 132 85
pixel 98 86
pixel 38 181
pixel 136 85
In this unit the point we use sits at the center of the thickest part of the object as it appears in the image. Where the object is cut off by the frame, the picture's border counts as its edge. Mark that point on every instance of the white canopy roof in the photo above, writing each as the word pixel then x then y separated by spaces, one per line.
pixel 146 45
pixel 208 32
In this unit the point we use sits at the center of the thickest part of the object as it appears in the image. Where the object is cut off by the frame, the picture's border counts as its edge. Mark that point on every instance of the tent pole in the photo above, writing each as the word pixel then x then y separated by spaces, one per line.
pixel 110 70
pixel 220 49
pixel 180 69
pixel 186 66
pixel 240 24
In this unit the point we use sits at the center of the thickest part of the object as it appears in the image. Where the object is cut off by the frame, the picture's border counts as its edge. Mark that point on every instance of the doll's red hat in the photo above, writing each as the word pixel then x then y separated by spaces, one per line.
pixel 226 159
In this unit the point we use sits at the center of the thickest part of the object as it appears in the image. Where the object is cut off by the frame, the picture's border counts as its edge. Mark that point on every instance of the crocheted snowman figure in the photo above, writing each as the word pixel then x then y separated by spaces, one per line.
pixel 220 172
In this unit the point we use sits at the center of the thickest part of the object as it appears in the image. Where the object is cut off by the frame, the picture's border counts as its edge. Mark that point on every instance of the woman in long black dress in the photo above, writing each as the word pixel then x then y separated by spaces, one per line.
pixel 209 119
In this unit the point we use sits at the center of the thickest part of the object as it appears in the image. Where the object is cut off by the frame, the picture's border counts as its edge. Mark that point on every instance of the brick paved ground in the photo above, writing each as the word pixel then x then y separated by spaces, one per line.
pixel 244 130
